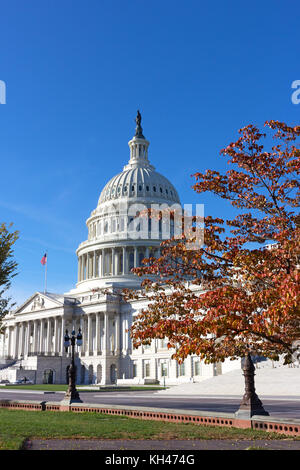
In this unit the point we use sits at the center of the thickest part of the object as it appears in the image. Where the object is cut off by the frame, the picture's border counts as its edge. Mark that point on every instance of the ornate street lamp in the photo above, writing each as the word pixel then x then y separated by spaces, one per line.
pixel 251 404
pixel 72 393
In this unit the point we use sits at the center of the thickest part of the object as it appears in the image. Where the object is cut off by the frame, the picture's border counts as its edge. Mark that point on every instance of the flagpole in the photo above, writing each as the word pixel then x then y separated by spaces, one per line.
pixel 46 272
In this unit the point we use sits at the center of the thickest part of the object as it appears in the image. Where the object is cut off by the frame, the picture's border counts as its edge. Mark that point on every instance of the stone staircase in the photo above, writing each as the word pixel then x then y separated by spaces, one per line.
pixel 5 363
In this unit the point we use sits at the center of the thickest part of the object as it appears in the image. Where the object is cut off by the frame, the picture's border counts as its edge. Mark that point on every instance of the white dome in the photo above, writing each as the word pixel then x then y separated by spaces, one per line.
pixel 117 242
pixel 137 182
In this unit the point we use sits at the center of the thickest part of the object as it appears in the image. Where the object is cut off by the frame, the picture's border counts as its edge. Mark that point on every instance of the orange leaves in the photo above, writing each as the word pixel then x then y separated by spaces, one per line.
pixel 229 296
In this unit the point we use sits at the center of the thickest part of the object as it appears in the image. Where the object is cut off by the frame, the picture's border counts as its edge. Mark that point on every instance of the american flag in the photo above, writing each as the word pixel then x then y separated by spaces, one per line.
pixel 44 259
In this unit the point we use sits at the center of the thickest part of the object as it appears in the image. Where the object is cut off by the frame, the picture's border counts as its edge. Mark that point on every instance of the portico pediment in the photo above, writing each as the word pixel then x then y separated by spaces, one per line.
pixel 40 302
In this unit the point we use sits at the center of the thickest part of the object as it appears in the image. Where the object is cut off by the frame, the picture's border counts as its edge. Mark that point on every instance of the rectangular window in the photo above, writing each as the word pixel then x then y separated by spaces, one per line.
pixel 164 343
pixel 197 368
pixel 182 369
pixel 147 369
pixel 164 369
pixel 134 369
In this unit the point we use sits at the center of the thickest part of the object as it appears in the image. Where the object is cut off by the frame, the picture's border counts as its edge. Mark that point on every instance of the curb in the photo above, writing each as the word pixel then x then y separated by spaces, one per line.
pixel 289 427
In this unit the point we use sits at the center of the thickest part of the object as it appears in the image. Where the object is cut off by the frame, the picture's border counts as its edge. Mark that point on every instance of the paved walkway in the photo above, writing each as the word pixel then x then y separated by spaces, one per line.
pixel 138 445
pixel 279 381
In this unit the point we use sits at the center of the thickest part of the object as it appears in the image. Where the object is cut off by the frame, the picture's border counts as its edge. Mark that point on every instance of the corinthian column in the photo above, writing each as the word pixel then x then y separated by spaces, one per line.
pixel 94 265
pixel 28 338
pixel 117 333
pixel 9 333
pixel 34 342
pixel 106 335
pixel 124 261
pixel 16 346
pixel 135 262
pixel 89 334
pixel 41 349
pixel 97 345
pixel 55 335
pixel 102 263
pixel 49 336
pixel 62 332
pixel 21 350
pixel 113 262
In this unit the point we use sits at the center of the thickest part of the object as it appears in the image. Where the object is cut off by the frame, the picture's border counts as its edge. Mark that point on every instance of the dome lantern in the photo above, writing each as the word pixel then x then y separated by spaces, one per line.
pixel 138 147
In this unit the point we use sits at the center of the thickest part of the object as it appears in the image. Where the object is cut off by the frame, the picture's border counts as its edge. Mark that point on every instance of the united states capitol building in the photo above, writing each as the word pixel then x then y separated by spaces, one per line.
pixel 32 345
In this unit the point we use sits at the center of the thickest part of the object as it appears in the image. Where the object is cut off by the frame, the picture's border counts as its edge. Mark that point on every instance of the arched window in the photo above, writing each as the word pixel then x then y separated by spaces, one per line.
pixel 82 374
pixel 99 373
pixel 91 374
pixel 48 376
pixel 113 374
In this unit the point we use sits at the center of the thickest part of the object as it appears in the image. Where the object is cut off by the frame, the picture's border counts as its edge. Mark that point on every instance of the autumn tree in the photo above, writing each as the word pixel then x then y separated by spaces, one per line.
pixel 239 291
pixel 8 266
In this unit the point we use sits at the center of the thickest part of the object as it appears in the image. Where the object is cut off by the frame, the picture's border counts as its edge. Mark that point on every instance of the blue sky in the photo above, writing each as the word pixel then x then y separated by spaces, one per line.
pixel 75 74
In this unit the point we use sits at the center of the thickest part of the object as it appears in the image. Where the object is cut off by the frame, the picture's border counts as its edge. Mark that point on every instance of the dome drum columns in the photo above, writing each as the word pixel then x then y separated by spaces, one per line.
pixel 116 261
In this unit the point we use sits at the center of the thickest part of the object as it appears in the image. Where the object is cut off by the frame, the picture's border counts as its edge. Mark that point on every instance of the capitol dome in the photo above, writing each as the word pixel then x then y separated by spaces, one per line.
pixel 116 244
pixel 139 181
pixel 139 178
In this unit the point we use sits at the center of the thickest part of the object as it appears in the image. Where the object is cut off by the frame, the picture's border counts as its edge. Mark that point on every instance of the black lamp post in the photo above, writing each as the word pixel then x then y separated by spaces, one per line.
pixel 251 404
pixel 72 393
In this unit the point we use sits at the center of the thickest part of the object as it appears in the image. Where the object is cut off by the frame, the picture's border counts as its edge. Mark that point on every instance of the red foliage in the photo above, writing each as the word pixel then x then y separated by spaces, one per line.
pixel 229 297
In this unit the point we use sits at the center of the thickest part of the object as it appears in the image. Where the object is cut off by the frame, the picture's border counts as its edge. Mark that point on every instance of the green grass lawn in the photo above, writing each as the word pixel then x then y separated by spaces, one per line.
pixel 18 425
pixel 63 388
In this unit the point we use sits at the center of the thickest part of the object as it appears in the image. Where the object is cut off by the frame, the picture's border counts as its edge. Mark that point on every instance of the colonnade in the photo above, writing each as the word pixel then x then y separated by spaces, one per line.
pixel 100 331
pixel 112 261
pixel 101 334
pixel 43 336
